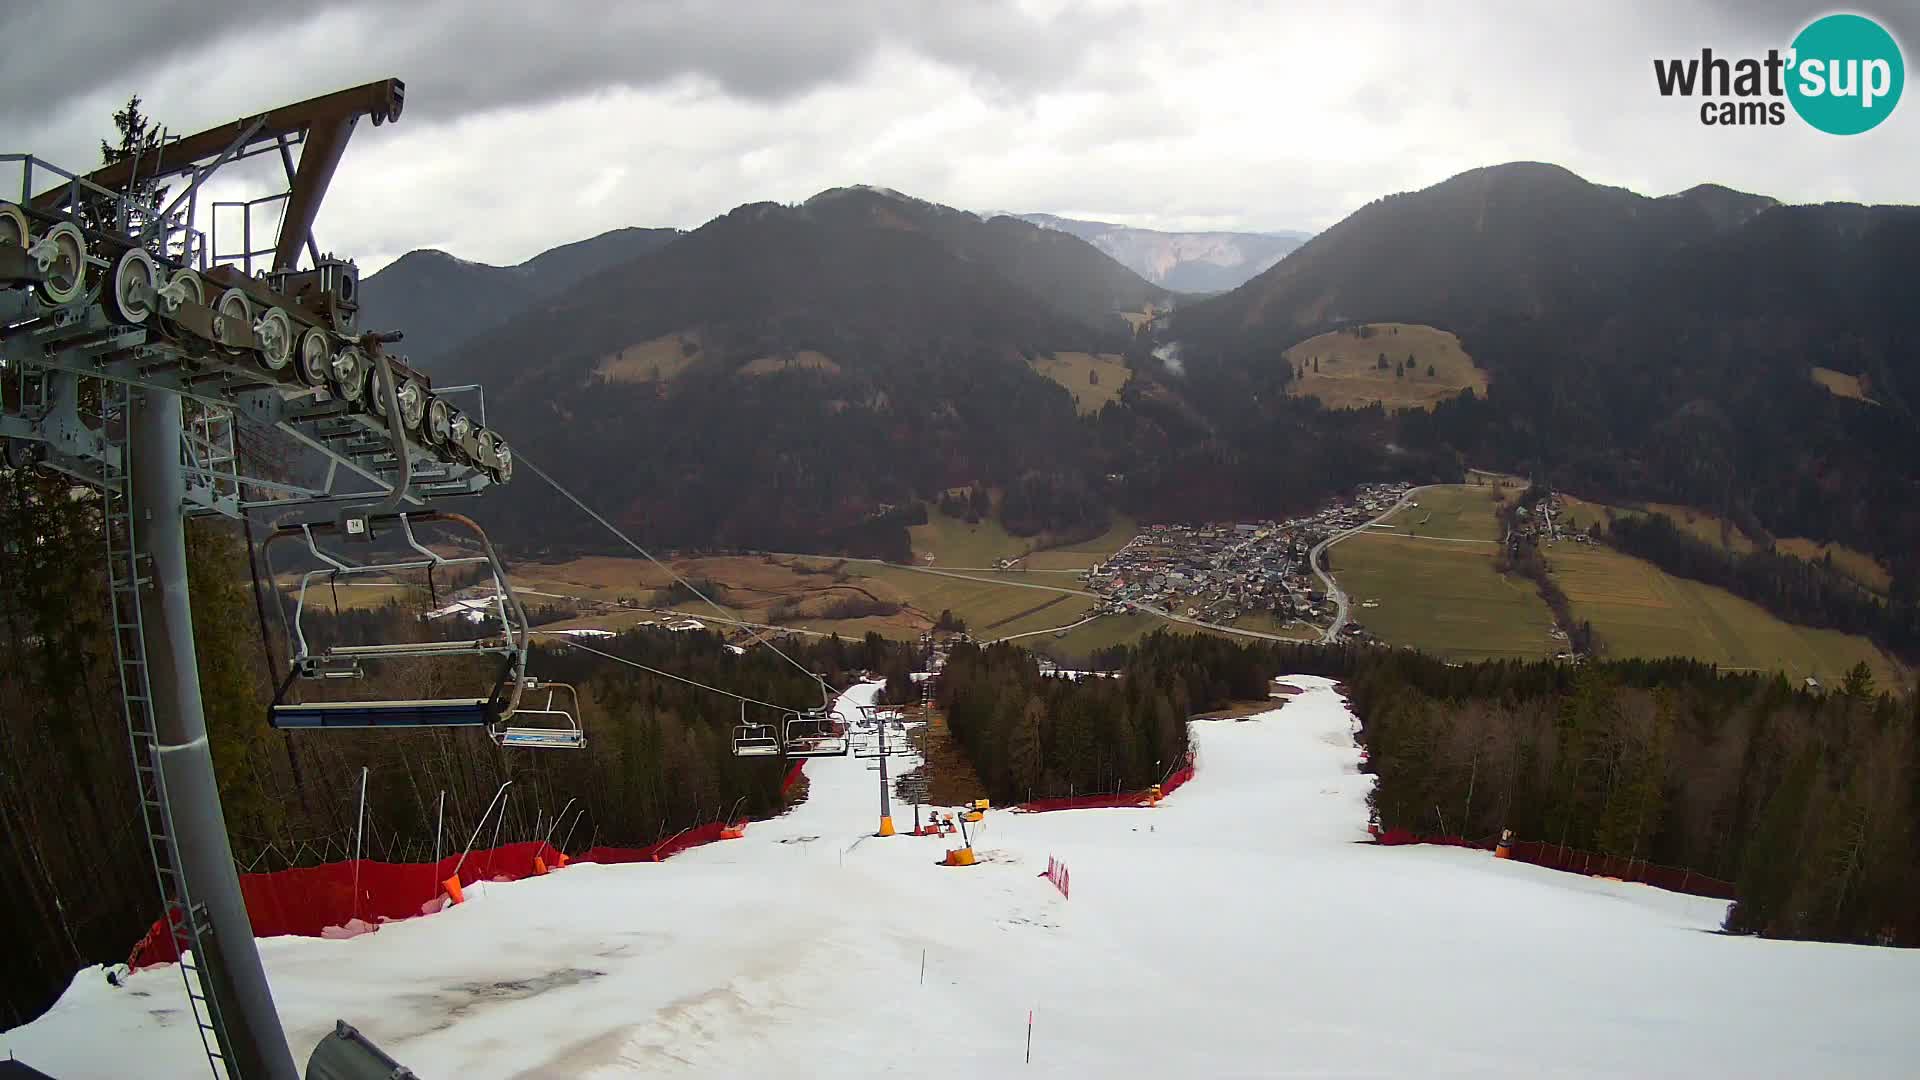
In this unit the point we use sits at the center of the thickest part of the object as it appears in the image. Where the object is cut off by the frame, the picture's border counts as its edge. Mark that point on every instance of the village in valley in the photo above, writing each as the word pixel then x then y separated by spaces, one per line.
pixel 1225 571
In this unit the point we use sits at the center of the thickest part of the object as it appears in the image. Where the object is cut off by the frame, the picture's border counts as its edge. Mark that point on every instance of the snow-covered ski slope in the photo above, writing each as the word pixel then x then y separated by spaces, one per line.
pixel 1237 930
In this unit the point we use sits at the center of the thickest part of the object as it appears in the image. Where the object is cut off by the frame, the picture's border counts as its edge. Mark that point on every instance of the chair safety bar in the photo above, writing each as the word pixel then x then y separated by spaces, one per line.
pixel 456 712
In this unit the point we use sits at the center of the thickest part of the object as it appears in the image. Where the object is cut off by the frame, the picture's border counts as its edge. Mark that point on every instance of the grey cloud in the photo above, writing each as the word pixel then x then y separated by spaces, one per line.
pixel 462 56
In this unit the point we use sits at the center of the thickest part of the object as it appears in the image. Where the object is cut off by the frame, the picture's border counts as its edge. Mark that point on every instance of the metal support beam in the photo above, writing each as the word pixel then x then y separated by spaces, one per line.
pixel 237 981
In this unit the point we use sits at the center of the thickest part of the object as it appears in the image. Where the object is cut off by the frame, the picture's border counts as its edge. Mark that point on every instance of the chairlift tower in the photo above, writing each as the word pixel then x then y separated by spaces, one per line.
pixel 129 349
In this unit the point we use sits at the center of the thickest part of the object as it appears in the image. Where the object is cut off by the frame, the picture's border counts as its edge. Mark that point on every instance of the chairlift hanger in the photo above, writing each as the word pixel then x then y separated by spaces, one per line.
pixel 547 726
pixel 755 740
pixel 344 661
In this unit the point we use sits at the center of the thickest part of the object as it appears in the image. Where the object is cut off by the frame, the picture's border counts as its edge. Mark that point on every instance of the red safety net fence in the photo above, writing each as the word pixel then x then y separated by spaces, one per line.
pixel 1575 861
pixel 1119 799
pixel 309 900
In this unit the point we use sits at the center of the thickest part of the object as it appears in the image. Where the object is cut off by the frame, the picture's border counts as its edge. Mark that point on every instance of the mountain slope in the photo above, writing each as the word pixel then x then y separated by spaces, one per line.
pixel 1064 270
pixel 783 375
pixel 1638 347
pixel 1195 262
pixel 438 300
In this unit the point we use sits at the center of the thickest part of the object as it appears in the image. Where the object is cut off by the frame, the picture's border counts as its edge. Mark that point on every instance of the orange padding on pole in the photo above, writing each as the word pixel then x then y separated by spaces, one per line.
pixel 454 892
pixel 539 865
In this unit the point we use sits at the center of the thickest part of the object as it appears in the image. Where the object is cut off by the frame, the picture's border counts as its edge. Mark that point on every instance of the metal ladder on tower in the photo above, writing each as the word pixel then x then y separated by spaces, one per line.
pixel 186 922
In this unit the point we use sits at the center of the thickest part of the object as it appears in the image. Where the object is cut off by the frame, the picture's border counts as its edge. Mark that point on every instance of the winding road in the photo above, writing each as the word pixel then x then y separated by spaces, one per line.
pixel 1333 587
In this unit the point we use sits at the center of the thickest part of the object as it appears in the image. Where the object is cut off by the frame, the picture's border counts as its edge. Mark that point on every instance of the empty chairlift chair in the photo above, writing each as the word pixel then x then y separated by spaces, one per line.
pixel 814 733
pixel 334 663
pixel 755 740
pixel 553 725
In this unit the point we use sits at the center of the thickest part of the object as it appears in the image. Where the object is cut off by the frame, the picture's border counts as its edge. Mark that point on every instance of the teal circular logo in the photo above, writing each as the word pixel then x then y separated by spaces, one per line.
pixel 1846 74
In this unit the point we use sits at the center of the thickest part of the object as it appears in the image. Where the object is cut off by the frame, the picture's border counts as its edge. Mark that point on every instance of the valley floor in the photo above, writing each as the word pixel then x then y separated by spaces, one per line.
pixel 1240 929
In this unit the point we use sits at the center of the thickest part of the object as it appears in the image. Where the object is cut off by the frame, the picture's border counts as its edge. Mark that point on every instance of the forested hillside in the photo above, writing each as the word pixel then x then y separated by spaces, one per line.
pixel 1809 801
pixel 801 378
pixel 1651 348
pixel 438 300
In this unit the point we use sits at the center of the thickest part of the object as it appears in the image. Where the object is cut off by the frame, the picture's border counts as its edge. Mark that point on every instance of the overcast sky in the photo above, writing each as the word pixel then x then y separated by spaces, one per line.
pixel 531 125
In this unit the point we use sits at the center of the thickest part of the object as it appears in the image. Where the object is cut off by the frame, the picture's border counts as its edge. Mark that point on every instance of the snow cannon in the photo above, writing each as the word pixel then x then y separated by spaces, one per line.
pixel 960 856
pixel 1504 850
pixel 977 811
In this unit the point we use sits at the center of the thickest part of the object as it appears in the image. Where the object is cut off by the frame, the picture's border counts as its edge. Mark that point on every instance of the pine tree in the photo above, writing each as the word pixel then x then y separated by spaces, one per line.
pixel 1026 760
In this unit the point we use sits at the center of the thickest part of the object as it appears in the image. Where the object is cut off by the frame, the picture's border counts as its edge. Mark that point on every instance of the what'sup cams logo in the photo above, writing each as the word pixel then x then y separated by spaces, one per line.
pixel 1842 74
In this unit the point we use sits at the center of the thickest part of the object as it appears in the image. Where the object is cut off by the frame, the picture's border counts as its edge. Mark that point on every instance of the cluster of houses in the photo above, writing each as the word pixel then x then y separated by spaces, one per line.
pixel 1221 572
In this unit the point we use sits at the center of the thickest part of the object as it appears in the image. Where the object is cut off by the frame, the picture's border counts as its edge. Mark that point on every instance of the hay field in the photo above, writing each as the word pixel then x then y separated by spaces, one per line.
pixel 1443 598
pixel 1092 379
pixel 1349 376
pixel 1639 610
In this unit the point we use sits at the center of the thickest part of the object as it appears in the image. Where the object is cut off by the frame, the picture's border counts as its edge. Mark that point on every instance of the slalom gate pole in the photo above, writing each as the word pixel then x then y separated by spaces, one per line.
pixel 359 831
pixel 481 824
pixel 493 845
pixel 1029 1036
pixel 547 841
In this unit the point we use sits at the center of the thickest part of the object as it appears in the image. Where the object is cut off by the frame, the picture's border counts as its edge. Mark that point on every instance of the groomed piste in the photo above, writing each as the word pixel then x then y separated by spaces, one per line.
pixel 1241 928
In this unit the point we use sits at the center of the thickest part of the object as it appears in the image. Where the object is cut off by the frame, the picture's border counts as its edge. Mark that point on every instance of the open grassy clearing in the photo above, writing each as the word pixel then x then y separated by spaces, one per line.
pixel 1450 512
pixel 1855 564
pixel 1443 598
pixel 991 609
pixel 1076 645
pixel 1084 554
pixel 1713 529
pixel 804 360
pixel 750 587
pixel 1350 377
pixel 953 541
pixel 1268 623
pixel 658 360
pixel 1841 384
pixel 1094 379
pixel 1639 610
pixel 1703 525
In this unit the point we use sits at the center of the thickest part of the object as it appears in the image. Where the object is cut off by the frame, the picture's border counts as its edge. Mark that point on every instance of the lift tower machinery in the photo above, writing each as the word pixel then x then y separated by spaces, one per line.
pixel 130 348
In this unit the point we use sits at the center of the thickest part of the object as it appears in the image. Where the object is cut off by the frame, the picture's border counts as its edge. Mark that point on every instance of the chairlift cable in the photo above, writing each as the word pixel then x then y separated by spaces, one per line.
pixel 521 458
pixel 573 642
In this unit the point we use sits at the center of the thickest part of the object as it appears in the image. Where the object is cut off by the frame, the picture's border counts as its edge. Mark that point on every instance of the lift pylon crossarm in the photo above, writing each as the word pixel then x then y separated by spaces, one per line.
pixel 381 101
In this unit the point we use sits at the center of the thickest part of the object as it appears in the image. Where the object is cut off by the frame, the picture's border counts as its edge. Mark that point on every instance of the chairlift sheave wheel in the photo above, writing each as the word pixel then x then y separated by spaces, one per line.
pixel 349 374
pixel 62 254
pixel 183 287
pixel 439 422
pixel 233 304
pixel 486 449
pixel 14 230
pixel 313 358
pixel 460 435
pixel 136 280
pixel 502 471
pixel 413 405
pixel 274 336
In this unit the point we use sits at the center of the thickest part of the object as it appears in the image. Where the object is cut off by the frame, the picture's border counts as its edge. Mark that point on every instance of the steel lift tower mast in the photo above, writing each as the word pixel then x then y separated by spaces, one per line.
pixel 129 349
